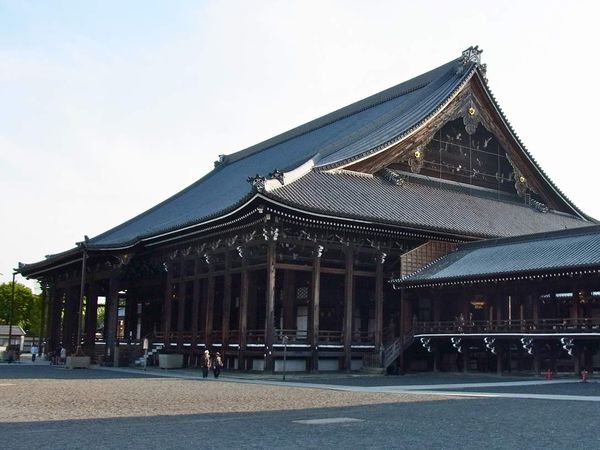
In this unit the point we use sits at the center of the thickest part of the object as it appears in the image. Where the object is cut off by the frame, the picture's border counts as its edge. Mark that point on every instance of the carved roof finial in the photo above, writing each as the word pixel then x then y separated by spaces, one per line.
pixel 220 161
pixel 257 182
pixel 472 54
pixel 277 175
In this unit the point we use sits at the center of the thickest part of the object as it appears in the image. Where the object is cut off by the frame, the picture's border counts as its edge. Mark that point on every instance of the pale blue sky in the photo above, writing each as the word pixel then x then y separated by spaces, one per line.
pixel 108 107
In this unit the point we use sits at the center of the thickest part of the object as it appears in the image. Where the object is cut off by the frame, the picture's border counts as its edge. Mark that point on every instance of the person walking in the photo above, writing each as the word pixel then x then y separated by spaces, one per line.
pixel 63 355
pixel 217 365
pixel 34 351
pixel 205 363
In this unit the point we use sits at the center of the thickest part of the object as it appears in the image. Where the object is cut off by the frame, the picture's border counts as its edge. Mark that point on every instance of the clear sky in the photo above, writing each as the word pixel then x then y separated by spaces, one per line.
pixel 108 107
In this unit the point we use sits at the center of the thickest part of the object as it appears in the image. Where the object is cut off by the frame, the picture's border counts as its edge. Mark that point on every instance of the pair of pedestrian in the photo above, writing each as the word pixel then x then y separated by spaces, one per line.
pixel 207 363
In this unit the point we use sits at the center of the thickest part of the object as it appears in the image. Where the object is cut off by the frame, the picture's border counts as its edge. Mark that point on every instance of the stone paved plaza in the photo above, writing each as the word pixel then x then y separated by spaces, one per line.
pixel 53 408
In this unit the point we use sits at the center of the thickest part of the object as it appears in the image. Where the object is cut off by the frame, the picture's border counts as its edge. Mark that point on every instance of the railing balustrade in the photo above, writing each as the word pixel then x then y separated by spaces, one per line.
pixel 333 337
pixel 330 337
pixel 363 337
pixel 561 325
pixel 294 336
pixel 255 336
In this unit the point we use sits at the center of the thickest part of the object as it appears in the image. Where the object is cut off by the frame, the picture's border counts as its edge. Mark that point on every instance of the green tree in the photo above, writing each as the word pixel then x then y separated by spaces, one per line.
pixel 27 308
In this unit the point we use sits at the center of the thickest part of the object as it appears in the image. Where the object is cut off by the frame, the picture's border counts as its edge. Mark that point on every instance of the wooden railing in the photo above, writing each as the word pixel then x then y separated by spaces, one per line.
pixel 585 325
pixel 330 337
pixel 255 336
pixel 333 337
pixel 363 338
pixel 293 336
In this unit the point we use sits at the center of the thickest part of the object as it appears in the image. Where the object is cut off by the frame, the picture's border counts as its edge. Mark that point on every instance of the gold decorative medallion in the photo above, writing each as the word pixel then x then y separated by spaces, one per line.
pixel 472 111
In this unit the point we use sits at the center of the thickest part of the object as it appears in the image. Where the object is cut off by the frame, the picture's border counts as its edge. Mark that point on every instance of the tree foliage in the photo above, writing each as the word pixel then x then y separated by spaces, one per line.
pixel 27 309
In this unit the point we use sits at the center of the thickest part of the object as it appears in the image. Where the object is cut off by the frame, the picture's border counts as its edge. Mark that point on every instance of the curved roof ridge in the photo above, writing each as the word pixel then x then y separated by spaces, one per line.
pixel 404 88
pixel 465 76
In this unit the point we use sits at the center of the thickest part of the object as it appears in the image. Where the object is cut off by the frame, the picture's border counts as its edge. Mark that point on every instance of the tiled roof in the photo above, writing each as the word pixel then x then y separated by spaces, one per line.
pixel 417 205
pixel 561 250
pixel 339 136
pixel 16 330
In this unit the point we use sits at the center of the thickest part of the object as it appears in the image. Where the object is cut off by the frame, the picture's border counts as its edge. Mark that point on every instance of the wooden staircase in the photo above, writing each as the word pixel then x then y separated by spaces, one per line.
pixel 394 349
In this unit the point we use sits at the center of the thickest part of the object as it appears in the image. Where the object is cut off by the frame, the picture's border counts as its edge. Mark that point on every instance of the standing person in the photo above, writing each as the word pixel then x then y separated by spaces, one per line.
pixel 218 363
pixel 205 363
pixel 63 354
pixel 34 350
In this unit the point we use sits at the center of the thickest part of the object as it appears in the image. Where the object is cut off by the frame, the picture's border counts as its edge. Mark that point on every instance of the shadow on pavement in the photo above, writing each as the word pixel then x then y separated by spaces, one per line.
pixel 465 424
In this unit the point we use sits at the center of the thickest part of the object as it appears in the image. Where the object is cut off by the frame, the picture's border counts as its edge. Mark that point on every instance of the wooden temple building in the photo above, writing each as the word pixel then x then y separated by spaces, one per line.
pixel 402 229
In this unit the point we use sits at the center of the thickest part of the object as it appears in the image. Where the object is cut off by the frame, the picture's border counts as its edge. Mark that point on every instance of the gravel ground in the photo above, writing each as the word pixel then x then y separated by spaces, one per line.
pixel 52 408
pixel 34 393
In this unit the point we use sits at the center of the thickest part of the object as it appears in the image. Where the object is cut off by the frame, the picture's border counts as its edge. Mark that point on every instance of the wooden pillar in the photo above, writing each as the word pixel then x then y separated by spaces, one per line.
pixel 499 361
pixel 535 308
pixel 379 305
pixel 575 304
pixel 70 318
pixel 348 308
pixel 43 318
pixel 243 314
pixel 112 310
pixel 210 304
pixel 181 300
pixel 54 313
pixel 167 309
pixel 289 295
pixel 195 316
pixel 91 316
pixel 226 304
pixel 577 359
pixel 403 327
pixel 315 302
pixel 270 306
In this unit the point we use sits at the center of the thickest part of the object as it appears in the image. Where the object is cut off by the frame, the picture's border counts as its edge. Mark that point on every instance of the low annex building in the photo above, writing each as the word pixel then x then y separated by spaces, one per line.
pixel 293 241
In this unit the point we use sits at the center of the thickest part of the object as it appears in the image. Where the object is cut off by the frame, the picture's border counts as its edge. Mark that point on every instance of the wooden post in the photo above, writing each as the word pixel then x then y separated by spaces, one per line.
pixel 499 361
pixel 180 314
pixel 70 317
pixel 379 305
pixel 167 309
pixel 402 328
pixel 315 300
pixel 348 308
pixel 243 314
pixel 195 316
pixel 575 305
pixel 54 319
pixel 436 358
pixel 210 304
pixel 112 310
pixel 226 304
pixel 535 308
pixel 577 359
pixel 91 316
pixel 289 295
pixel 270 306
pixel 43 317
